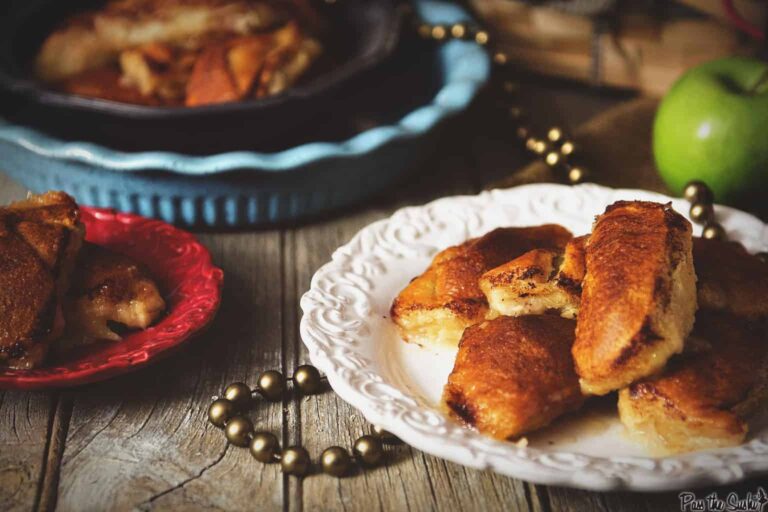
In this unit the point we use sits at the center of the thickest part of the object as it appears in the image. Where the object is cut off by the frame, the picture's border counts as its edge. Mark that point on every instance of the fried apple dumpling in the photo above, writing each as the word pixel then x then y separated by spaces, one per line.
pixel 514 375
pixel 436 307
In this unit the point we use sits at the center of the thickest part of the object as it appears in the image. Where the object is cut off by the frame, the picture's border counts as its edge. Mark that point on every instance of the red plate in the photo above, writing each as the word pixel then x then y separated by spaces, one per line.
pixel 191 285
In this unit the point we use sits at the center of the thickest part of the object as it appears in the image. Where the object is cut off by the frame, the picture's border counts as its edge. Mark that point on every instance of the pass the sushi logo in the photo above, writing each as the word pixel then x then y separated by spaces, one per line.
pixel 732 502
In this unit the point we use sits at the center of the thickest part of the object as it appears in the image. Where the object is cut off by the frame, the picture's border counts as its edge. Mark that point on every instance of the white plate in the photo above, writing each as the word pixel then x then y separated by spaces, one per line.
pixel 347 330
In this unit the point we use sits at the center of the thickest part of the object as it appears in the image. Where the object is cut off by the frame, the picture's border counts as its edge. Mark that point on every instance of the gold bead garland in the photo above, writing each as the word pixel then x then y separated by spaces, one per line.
pixel 226 412
pixel 458 31
pixel 702 210
pixel 555 149
pixel 698 192
pixel 271 385
pixel 713 231
pixel 239 394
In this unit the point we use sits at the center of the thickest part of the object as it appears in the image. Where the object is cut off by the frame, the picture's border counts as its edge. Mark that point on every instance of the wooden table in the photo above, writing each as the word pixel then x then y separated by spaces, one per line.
pixel 142 441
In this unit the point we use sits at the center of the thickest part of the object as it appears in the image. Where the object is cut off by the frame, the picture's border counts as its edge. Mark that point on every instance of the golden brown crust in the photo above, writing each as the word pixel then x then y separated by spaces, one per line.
pixel 39 241
pixel 638 300
pixel 538 282
pixel 703 398
pixel 513 375
pixel 94 38
pixel 107 84
pixel 27 299
pixel 110 287
pixel 574 266
pixel 437 305
pixel 537 265
pixel 168 52
pixel 730 279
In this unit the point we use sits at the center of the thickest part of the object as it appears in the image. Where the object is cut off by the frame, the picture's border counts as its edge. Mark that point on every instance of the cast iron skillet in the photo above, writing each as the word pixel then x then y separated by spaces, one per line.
pixel 362 33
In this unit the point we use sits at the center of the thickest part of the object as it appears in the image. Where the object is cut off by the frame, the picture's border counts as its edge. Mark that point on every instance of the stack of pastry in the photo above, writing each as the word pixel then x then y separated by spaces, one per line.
pixel 673 324
pixel 172 52
pixel 56 289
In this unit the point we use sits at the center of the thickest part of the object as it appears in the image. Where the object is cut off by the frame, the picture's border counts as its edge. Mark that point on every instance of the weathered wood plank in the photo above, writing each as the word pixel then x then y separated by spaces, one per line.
pixel 57 436
pixel 142 440
pixel 24 423
pixel 291 433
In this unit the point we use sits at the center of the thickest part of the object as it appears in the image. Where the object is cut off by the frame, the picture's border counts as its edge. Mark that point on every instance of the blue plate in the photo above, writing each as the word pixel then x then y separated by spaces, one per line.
pixel 246 188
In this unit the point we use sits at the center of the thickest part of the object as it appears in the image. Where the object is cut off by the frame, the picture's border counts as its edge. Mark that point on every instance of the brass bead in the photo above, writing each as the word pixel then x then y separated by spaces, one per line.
pixel 425 30
pixel 220 411
pixel 239 394
pixel 713 231
pixel 335 461
pixel 307 379
pixel 481 37
pixel 510 87
pixel 368 450
pixel 500 58
pixel 762 256
pixel 515 113
pixel 458 30
pixel 387 437
pixel 522 132
pixel 540 147
pixel 264 446
pixel 552 158
pixel 535 145
pixel 577 174
pixel 555 134
pixel 567 148
pixel 295 461
pixel 239 430
pixel 438 32
pixel 698 192
pixel 702 212
pixel 271 385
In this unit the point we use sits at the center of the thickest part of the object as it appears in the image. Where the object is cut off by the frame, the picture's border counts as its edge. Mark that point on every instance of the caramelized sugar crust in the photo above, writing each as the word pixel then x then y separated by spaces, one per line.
pixel 513 375
pixel 39 242
pixel 171 53
pixel 537 282
pixel 639 295
pixel 436 307
pixel 110 288
pixel 730 279
pixel 92 39
pixel 703 398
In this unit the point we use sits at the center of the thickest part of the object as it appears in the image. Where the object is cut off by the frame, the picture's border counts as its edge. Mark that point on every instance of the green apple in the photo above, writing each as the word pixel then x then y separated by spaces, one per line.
pixel 713 126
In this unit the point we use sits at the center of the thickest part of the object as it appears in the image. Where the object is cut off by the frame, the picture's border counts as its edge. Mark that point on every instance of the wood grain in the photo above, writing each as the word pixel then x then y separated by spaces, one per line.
pixel 24 423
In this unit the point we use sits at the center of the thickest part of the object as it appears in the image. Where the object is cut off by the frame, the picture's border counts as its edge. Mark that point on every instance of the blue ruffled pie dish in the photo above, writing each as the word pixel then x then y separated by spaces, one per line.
pixel 248 188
